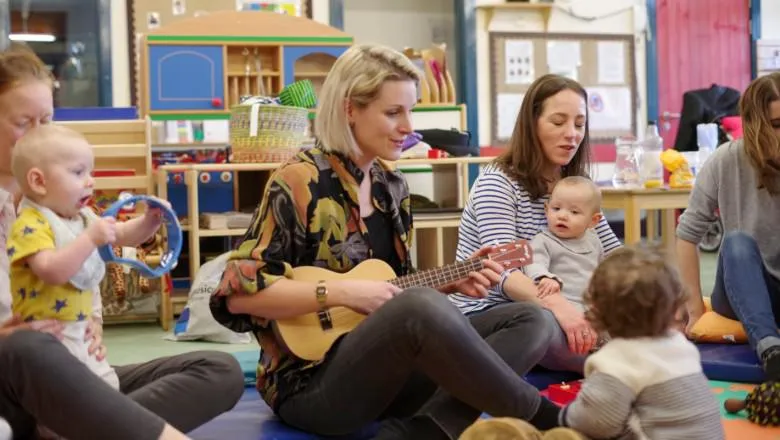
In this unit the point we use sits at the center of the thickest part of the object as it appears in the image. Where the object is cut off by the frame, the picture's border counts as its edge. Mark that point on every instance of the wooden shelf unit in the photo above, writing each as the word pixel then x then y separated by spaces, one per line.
pixel 543 9
pixel 120 145
pixel 125 144
pixel 434 242
pixel 252 70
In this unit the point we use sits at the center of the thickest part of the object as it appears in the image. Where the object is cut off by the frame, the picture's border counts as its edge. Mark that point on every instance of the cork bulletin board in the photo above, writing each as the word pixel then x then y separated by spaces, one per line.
pixel 163 12
pixel 603 64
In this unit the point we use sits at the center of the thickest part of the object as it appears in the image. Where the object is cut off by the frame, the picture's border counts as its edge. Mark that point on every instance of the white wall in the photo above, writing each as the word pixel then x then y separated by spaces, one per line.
pixel 403 23
pixel 120 54
pixel 770 19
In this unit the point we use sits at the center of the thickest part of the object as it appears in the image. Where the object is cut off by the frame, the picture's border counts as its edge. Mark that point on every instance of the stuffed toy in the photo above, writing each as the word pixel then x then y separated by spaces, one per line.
pixel 681 175
pixel 762 404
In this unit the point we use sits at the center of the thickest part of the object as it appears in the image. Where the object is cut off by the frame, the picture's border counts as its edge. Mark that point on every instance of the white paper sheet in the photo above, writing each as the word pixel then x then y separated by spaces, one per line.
pixel 179 7
pixel 563 56
pixel 611 62
pixel 152 20
pixel 518 62
pixel 609 108
pixel 507 108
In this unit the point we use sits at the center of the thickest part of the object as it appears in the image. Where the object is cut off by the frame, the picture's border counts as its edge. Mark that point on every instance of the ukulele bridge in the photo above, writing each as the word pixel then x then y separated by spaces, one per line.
pixel 326 321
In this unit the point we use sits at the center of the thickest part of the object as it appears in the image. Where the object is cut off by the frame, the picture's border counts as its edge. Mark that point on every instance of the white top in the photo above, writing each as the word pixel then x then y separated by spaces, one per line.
pixel 7 217
pixel 570 261
pixel 645 388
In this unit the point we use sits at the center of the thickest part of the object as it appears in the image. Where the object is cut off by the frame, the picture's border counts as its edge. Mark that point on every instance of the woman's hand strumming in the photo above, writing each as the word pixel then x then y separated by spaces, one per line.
pixel 362 296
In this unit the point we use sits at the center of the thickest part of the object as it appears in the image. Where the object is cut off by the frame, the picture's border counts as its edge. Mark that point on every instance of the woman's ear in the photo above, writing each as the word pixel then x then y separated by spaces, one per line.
pixel 36 181
pixel 348 110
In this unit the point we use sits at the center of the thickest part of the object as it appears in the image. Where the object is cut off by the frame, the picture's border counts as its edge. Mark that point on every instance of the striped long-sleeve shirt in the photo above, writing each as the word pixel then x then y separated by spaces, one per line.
pixel 645 388
pixel 500 210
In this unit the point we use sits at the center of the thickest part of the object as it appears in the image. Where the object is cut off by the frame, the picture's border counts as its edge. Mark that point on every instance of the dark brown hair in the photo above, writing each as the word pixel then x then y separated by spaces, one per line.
pixel 762 145
pixel 19 64
pixel 524 159
pixel 635 292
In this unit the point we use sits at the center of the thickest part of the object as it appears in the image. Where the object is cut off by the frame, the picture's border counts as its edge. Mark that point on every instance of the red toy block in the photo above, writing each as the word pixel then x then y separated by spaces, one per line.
pixel 565 392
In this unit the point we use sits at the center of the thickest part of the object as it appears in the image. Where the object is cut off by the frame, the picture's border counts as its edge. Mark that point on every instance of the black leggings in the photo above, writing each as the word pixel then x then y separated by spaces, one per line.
pixel 418 355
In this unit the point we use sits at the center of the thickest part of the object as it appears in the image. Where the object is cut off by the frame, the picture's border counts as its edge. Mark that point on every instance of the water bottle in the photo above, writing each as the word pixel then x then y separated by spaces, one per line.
pixel 626 173
pixel 651 169
pixel 707 141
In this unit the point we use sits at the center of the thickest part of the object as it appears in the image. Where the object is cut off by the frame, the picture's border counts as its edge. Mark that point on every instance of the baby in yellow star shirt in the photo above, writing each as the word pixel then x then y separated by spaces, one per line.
pixel 55 267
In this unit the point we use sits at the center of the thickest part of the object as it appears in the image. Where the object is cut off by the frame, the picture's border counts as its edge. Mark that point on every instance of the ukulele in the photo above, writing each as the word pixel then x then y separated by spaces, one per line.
pixel 310 336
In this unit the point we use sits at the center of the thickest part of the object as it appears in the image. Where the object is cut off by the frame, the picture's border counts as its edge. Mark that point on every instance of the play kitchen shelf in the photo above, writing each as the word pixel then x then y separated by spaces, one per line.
pixel 436 233
pixel 203 65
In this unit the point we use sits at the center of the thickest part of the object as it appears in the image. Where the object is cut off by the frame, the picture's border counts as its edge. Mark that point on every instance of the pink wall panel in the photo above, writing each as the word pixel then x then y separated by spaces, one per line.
pixel 700 42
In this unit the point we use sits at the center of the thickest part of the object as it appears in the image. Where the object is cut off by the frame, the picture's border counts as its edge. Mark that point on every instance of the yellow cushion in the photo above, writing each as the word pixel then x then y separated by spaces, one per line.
pixel 712 327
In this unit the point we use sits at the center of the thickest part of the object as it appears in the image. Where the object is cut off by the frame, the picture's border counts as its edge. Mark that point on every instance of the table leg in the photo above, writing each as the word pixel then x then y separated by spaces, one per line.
pixel 651 220
pixel 669 228
pixel 191 180
pixel 632 225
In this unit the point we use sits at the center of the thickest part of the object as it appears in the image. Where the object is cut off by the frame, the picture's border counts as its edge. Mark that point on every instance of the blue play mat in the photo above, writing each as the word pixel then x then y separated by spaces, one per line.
pixel 252 419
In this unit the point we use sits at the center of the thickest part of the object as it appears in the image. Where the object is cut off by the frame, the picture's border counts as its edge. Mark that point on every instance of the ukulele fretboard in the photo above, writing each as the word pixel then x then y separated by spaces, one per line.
pixel 439 276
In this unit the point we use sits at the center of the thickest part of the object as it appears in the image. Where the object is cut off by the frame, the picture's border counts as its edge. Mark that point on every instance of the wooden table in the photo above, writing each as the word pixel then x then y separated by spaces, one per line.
pixel 633 201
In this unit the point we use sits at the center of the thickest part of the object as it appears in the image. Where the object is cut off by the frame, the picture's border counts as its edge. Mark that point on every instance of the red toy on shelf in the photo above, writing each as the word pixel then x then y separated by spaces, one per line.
pixel 564 393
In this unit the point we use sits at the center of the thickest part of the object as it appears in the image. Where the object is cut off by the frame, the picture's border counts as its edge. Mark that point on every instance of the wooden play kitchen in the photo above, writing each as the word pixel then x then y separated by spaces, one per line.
pixel 203 65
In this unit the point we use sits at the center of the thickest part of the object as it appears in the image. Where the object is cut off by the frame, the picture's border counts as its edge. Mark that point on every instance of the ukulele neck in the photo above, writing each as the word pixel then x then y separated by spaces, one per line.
pixel 439 276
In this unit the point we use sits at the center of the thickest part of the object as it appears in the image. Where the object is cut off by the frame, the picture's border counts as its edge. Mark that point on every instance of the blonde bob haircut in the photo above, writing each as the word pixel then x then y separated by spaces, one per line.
pixel 356 78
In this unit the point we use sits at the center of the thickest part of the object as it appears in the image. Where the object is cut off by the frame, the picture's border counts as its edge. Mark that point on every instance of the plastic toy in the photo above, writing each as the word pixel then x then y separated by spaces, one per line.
pixel 762 404
pixel 681 175
pixel 565 392
pixel 168 258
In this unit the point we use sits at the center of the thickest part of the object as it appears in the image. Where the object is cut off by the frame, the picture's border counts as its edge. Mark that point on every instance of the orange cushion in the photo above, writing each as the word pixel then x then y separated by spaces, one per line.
pixel 712 327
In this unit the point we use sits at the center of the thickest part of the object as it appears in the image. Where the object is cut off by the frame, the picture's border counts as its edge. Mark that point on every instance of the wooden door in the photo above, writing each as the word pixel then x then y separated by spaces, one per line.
pixel 699 42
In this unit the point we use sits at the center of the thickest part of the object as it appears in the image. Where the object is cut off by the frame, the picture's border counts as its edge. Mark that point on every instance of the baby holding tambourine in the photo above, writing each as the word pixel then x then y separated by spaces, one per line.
pixel 54 243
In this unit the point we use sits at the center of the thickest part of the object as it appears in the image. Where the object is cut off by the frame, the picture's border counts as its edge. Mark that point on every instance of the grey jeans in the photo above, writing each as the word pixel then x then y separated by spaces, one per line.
pixel 418 357
pixel 41 382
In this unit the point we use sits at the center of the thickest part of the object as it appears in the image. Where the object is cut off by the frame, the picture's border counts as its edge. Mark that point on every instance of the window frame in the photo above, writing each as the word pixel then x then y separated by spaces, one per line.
pixel 103 33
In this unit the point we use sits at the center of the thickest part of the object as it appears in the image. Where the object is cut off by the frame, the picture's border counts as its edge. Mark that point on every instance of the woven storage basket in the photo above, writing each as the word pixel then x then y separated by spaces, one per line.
pixel 267 132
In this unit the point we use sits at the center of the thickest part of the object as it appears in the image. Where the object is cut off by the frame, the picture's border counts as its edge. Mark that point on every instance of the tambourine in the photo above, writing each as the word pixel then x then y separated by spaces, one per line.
pixel 168 259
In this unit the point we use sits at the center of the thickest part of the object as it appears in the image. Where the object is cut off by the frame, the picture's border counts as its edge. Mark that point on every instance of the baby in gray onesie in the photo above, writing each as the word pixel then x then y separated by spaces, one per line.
pixel 568 251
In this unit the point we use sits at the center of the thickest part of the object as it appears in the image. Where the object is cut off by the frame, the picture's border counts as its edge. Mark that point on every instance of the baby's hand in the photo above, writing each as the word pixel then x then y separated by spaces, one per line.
pixel 102 231
pixel 547 287
pixel 154 215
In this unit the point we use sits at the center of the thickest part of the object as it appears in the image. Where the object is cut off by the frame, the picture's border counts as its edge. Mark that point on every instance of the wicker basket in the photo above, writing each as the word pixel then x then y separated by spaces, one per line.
pixel 267 132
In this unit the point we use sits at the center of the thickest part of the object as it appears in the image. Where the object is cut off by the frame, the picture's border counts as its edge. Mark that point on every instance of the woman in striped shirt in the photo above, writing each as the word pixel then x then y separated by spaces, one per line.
pixel 507 202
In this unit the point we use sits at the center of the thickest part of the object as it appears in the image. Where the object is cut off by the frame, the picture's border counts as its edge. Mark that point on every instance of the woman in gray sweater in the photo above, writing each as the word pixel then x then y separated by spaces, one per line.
pixel 742 180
